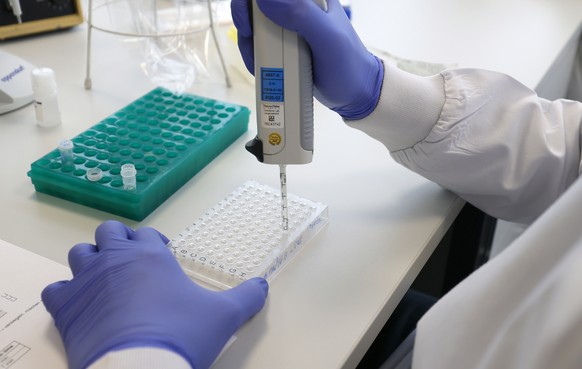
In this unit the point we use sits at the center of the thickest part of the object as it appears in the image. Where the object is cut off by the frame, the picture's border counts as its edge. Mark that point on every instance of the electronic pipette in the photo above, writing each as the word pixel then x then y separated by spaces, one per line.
pixel 16 9
pixel 284 98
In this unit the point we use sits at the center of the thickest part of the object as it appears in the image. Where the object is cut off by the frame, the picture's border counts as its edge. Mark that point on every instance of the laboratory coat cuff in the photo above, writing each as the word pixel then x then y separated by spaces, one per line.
pixel 408 108
pixel 142 358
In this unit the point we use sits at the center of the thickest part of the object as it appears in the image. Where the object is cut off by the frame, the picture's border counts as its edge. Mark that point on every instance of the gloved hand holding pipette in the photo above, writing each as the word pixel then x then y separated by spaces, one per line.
pixel 128 291
pixel 481 134
pixel 347 78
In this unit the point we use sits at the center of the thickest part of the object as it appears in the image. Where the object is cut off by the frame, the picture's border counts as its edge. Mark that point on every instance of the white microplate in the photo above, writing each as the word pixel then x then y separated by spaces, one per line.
pixel 241 237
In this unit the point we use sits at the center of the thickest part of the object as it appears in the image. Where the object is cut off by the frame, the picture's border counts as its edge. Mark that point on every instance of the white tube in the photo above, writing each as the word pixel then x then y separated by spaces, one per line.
pixel 46 105
pixel 128 173
pixel 66 149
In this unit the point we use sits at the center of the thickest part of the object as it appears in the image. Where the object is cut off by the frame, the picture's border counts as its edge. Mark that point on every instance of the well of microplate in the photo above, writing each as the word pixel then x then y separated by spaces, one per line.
pixel 241 237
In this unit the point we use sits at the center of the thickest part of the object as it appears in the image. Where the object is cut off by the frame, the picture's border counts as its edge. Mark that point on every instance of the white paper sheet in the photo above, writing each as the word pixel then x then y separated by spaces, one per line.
pixel 28 337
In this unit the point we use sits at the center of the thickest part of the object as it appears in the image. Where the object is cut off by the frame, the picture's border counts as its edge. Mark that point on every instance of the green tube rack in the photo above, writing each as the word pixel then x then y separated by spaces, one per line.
pixel 167 137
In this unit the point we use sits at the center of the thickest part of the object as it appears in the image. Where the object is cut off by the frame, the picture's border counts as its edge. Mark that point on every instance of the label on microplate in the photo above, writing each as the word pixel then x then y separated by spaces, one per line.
pixel 242 237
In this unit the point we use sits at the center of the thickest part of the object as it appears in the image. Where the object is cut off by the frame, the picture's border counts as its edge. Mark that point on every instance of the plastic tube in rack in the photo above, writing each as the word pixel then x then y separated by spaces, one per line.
pixel 128 173
pixel 66 149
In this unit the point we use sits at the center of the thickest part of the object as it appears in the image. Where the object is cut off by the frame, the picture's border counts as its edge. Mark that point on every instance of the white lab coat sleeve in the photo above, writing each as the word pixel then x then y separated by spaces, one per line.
pixel 482 135
pixel 521 310
pixel 141 358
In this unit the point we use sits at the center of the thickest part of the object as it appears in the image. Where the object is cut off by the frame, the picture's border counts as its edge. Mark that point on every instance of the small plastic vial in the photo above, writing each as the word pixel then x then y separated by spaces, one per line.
pixel 46 105
pixel 66 149
pixel 128 173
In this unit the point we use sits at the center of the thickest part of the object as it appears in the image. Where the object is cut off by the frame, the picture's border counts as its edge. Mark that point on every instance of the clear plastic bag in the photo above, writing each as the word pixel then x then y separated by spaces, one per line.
pixel 176 37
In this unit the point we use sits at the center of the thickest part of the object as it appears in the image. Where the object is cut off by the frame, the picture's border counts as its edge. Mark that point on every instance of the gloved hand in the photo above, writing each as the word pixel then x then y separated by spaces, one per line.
pixel 347 78
pixel 129 291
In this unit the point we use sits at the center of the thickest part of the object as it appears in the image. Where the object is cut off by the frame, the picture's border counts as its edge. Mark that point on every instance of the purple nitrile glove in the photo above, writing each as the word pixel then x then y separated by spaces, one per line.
pixel 347 78
pixel 129 291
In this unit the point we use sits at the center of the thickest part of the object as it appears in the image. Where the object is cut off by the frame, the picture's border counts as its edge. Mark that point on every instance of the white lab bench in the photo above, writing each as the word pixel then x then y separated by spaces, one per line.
pixel 329 303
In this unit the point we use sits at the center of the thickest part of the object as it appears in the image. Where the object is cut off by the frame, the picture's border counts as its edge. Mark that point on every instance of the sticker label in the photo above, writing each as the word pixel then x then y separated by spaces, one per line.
pixel 275 139
pixel 272 84
pixel 273 115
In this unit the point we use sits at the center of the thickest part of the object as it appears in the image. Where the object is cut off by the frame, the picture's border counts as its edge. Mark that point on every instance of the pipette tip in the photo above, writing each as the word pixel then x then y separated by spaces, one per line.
pixel 284 209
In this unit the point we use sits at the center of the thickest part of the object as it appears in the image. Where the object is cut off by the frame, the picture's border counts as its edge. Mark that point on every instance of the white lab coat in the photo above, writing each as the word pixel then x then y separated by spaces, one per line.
pixel 496 144
pixel 492 141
